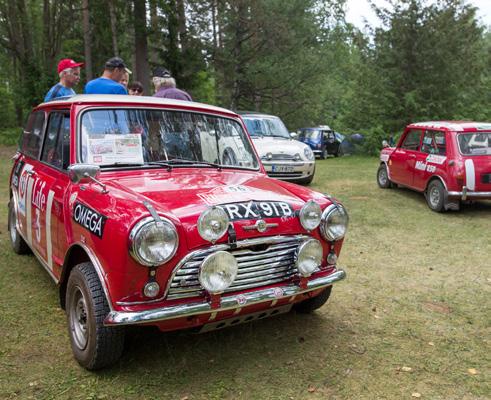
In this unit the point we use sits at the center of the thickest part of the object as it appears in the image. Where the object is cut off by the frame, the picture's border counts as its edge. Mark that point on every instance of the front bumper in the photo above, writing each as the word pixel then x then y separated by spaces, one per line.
pixel 289 170
pixel 226 302
pixel 465 194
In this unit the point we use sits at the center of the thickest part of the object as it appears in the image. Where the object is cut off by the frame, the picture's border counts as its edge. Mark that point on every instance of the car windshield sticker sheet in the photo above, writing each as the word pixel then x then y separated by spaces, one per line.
pixel 110 149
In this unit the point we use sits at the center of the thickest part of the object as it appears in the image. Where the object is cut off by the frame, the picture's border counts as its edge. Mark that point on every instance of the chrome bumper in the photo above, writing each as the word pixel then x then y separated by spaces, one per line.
pixel 465 194
pixel 226 302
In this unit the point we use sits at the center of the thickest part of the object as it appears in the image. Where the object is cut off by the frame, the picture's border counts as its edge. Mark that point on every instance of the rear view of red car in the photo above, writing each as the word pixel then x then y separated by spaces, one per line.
pixel 449 162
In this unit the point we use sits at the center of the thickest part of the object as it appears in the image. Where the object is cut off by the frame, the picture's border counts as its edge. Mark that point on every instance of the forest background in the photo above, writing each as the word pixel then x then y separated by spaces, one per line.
pixel 298 59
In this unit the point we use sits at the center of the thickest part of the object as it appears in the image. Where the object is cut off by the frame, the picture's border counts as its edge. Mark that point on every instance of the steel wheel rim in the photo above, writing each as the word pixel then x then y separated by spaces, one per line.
pixel 78 319
pixel 382 177
pixel 434 196
pixel 13 225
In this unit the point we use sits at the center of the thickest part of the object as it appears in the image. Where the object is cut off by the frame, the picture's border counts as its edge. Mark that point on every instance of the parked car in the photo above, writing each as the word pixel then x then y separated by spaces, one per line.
pixel 282 156
pixel 449 162
pixel 322 140
pixel 135 229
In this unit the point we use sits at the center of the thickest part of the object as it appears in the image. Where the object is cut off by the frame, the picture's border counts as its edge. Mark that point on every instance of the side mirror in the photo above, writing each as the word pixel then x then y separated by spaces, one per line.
pixel 293 135
pixel 385 143
pixel 83 172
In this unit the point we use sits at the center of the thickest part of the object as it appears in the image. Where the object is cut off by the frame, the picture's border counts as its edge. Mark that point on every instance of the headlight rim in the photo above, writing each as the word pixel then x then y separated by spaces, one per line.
pixel 325 216
pixel 134 233
pixel 300 214
pixel 200 220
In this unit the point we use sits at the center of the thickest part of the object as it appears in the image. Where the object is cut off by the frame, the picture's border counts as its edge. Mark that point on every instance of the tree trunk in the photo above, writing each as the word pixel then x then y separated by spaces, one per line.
pixel 154 33
pixel 114 32
pixel 181 23
pixel 141 49
pixel 87 39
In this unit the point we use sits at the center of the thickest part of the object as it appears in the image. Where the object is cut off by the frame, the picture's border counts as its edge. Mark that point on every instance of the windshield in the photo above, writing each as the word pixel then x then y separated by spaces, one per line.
pixel 475 143
pixel 137 136
pixel 309 134
pixel 266 126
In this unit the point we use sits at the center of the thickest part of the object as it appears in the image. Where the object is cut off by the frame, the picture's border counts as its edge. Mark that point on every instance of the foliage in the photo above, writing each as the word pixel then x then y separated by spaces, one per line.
pixel 297 59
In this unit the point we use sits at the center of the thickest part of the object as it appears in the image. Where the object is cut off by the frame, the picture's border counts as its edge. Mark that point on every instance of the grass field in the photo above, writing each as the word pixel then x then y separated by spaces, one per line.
pixel 412 319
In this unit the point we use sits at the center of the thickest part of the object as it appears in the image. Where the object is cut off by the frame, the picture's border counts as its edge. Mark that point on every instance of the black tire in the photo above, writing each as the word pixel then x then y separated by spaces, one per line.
pixel 94 345
pixel 229 158
pixel 324 153
pixel 435 196
pixel 312 304
pixel 339 153
pixel 383 180
pixel 19 245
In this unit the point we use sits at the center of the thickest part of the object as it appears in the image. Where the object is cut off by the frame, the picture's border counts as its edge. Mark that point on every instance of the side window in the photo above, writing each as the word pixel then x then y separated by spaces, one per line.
pixel 57 144
pixel 411 141
pixel 434 143
pixel 32 137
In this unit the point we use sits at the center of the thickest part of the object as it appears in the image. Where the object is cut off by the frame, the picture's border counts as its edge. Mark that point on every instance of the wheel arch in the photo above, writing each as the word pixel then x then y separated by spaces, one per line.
pixel 435 178
pixel 77 254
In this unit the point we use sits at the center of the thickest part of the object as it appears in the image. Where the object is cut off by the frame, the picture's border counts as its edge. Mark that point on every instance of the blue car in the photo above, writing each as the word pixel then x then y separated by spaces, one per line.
pixel 322 140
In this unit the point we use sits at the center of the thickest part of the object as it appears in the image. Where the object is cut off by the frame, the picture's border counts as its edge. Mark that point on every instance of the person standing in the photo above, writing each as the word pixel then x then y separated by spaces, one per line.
pixel 69 73
pixel 165 86
pixel 125 79
pixel 135 89
pixel 108 83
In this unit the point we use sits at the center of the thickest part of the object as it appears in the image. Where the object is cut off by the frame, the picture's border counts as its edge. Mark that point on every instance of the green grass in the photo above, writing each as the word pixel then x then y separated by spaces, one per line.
pixel 417 295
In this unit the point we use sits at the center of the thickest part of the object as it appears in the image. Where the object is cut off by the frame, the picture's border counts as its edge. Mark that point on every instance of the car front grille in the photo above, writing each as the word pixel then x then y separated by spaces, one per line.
pixel 280 156
pixel 261 262
pixel 284 174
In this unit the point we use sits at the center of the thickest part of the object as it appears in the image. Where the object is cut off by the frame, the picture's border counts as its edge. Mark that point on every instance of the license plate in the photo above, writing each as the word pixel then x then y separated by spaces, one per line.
pixel 282 168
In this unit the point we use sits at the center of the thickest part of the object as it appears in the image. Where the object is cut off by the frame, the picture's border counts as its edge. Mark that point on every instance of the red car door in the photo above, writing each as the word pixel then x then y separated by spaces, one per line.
pixel 403 158
pixel 431 159
pixel 50 183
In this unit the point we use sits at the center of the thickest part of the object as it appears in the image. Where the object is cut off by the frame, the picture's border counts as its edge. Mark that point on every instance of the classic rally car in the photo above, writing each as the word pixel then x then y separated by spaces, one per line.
pixel 282 156
pixel 141 219
pixel 449 162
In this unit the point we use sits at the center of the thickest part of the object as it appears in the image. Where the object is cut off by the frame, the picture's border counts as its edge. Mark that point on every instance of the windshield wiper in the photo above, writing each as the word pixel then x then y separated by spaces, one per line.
pixel 122 164
pixel 181 161
pixel 164 164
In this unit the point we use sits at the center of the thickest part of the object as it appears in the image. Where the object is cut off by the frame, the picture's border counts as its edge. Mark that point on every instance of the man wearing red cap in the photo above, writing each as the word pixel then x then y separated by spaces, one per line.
pixel 69 73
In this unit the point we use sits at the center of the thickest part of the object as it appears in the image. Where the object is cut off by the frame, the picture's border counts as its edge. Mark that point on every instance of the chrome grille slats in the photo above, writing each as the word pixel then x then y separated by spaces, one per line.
pixel 261 261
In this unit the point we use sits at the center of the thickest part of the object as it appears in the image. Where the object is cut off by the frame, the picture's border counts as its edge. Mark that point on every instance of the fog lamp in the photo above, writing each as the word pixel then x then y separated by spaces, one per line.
pixel 309 257
pixel 310 215
pixel 218 271
pixel 213 223
pixel 332 258
pixel 151 289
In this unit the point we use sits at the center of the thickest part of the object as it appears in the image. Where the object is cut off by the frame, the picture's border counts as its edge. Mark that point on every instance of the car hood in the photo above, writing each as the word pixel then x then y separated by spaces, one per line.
pixel 265 145
pixel 183 194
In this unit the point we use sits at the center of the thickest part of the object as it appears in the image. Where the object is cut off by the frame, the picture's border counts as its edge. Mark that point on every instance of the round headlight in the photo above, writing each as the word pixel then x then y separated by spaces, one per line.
pixel 334 222
pixel 309 155
pixel 296 157
pixel 309 257
pixel 153 243
pixel 269 156
pixel 213 223
pixel 310 215
pixel 218 271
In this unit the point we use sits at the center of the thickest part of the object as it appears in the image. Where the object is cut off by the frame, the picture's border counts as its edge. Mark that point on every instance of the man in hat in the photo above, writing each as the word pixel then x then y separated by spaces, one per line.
pixel 69 73
pixel 165 86
pixel 108 83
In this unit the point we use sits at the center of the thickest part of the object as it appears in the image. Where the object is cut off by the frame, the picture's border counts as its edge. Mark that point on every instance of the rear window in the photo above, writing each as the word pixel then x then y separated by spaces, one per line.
pixel 475 143
pixel 32 137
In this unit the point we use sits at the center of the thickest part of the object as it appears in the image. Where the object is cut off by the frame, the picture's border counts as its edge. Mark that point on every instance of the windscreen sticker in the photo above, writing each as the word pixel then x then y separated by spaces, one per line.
pixel 111 149
pixel 89 219
pixel 257 209
pixel 436 159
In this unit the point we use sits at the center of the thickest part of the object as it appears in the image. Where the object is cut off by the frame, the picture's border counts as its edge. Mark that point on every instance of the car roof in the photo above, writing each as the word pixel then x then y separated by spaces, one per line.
pixel 98 99
pixel 324 127
pixel 457 126
pixel 255 114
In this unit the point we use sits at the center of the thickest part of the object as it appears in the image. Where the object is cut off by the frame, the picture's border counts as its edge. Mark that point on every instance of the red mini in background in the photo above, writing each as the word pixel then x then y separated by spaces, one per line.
pixel 137 211
pixel 449 162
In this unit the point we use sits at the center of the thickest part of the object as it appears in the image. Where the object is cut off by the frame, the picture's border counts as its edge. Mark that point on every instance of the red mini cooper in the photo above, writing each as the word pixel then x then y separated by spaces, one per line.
pixel 449 162
pixel 139 214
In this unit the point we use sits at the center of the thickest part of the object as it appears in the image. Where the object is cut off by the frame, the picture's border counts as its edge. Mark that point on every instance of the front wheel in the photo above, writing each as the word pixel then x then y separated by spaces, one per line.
pixel 324 153
pixel 435 196
pixel 312 304
pixel 94 345
pixel 340 152
pixel 383 177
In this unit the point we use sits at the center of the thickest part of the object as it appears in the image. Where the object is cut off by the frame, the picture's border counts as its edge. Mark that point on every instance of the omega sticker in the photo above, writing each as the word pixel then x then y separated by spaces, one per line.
pixel 257 210
pixel 23 180
pixel 17 171
pixel 89 219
